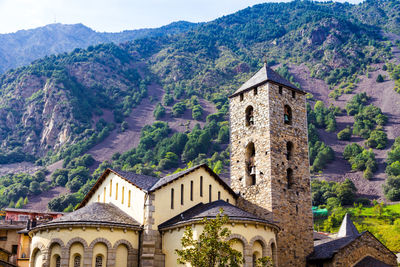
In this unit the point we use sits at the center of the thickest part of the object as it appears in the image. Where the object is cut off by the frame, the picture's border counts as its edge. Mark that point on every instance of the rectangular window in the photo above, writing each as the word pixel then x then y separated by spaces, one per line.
pixel 110 187
pixel 201 186
pixel 116 191
pixel 14 249
pixel 219 195
pixel 293 94
pixel 209 193
pixel 182 193
pixel 98 198
pixel 241 97
pixel 172 198
pixel 104 195
pixel 191 190
pixel 129 198
pixel 255 91
pixel 123 194
pixel 280 90
pixel 227 200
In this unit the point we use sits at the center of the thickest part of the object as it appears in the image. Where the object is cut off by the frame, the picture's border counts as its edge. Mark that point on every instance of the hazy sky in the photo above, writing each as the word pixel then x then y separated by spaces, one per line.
pixel 115 15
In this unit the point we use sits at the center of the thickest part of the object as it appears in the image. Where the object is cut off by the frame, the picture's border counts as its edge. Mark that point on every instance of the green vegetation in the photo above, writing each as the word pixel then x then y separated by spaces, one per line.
pixel 380 79
pixel 368 121
pixel 330 193
pixel 394 71
pixel 391 188
pixel 14 188
pixel 342 88
pixel 345 134
pixel 159 111
pixel 361 159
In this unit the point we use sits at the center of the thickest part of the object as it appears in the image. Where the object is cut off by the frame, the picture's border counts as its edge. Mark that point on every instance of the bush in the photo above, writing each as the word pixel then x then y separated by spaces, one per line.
pixel 159 111
pixel 168 99
pixel 379 78
pixel 197 112
pixel 178 109
pixel 345 134
pixel 377 139
pixel 391 188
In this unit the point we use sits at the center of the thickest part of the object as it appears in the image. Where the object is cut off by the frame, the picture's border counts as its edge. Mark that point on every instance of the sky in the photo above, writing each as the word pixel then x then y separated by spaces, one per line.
pixel 116 15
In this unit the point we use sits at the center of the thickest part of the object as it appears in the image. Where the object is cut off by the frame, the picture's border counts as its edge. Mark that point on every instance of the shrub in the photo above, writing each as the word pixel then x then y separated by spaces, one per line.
pixel 379 78
pixel 377 139
pixel 197 112
pixel 391 188
pixel 178 109
pixel 345 134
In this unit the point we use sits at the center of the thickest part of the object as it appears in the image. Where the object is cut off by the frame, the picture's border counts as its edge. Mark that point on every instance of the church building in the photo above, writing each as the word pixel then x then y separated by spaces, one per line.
pixel 128 219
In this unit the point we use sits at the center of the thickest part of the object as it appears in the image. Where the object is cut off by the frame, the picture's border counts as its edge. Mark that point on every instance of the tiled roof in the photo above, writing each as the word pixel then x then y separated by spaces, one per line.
pixel 347 228
pixel 265 74
pixel 144 182
pixel 32 211
pixel 210 210
pixel 327 248
pixel 95 213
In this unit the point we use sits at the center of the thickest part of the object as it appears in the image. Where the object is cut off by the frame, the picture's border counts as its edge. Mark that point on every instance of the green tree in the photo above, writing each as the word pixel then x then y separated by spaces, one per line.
pixel 380 79
pixel 344 134
pixel 159 111
pixel 212 247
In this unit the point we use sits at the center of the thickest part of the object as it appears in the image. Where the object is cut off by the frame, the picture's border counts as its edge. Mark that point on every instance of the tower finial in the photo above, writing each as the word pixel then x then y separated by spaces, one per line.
pixel 265 60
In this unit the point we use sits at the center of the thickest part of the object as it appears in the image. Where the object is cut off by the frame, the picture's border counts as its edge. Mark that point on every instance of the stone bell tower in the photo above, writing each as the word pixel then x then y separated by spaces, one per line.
pixel 269 160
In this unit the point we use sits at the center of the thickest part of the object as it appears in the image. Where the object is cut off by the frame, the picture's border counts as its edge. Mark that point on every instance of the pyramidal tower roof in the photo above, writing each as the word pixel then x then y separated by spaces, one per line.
pixel 347 228
pixel 265 74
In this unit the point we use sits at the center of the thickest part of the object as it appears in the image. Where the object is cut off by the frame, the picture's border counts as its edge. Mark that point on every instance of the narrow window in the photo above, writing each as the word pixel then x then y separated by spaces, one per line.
pixel 191 190
pixel 227 200
pixel 110 187
pixel 209 193
pixel 289 177
pixel 293 94
pixel 250 165
pixel 98 198
pixel 77 261
pixel 116 191
pixel 58 261
pixel 123 195
pixel 280 90
pixel 289 150
pixel 219 195
pixel 172 198
pixel 255 91
pixel 99 261
pixel 287 116
pixel 182 193
pixel 104 195
pixel 249 116
pixel 129 198
pixel 201 186
pixel 241 97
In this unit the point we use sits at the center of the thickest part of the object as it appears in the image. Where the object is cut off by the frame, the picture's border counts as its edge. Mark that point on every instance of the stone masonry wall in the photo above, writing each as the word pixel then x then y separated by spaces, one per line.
pixel 270 197
pixel 365 245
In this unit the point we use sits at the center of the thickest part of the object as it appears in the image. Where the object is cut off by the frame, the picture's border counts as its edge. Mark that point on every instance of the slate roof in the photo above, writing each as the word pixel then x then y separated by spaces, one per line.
pixel 144 182
pixel 210 210
pixel 95 213
pixel 371 262
pixel 327 248
pixel 264 75
pixel 347 228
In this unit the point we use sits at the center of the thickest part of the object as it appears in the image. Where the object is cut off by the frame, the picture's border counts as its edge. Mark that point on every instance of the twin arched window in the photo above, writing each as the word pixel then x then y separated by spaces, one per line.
pixel 77 261
pixel 99 261
pixel 251 164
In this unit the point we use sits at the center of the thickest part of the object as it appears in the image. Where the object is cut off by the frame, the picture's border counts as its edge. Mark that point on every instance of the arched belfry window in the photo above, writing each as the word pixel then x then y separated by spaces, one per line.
pixel 287 116
pixel 250 164
pixel 249 116
pixel 289 177
pixel 58 261
pixel 289 150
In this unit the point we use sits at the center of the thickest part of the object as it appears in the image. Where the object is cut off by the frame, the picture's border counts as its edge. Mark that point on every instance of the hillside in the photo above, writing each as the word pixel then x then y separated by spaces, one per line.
pixel 98 100
pixel 22 47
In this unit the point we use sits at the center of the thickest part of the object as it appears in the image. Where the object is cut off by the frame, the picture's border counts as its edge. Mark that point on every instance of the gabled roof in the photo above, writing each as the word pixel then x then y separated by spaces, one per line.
pixel 210 210
pixel 347 228
pixel 265 74
pixel 170 178
pixel 95 213
pixel 369 262
pixel 149 183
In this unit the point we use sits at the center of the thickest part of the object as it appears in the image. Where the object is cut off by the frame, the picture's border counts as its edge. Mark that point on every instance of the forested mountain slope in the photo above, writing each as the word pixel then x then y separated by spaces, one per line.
pixel 61 107
pixel 22 47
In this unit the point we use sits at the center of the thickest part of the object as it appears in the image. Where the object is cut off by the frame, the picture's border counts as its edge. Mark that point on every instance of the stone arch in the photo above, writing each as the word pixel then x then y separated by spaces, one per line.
pixel 273 251
pixel 38 246
pixel 247 257
pixel 53 242
pixel 287 115
pixel 110 250
pixel 250 164
pixel 132 253
pixel 263 244
pixel 249 115
pixel 65 261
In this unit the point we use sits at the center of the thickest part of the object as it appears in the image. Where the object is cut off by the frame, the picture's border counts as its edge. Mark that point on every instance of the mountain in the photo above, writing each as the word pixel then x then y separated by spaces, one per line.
pixel 22 47
pixel 98 100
